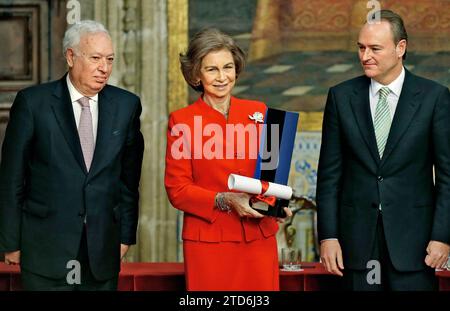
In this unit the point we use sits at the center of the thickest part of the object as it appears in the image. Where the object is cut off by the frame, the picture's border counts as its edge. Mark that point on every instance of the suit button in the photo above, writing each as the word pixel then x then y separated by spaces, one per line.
pixel 380 178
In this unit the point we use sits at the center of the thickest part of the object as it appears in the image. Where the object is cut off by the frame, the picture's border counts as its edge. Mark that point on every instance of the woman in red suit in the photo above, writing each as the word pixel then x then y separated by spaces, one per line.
pixel 227 245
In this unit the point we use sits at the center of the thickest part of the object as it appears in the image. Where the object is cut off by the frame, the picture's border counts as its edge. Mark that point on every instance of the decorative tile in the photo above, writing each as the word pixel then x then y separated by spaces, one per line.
pixel 278 69
pixel 303 173
pixel 298 90
pixel 240 89
pixel 340 68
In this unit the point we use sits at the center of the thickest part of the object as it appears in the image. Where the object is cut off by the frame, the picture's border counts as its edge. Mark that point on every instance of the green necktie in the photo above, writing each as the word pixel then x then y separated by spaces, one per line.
pixel 382 122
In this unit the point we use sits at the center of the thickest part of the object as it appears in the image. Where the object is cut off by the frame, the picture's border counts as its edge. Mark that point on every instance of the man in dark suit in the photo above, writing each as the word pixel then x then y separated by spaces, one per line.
pixel 383 133
pixel 70 170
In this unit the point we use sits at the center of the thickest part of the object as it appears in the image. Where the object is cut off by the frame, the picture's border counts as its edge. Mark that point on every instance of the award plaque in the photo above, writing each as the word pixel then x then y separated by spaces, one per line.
pixel 274 161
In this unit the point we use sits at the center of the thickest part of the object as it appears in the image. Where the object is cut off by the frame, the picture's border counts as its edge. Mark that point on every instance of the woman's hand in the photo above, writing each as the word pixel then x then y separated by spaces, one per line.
pixel 288 214
pixel 240 203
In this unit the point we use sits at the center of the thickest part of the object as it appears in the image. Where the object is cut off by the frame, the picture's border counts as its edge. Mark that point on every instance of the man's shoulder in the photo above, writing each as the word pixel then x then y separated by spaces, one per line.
pixel 39 89
pixel 424 83
pixel 350 84
pixel 117 92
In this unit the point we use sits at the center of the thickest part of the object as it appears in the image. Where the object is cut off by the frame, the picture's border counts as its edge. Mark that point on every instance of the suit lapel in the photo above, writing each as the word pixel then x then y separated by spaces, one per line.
pixel 62 108
pixel 105 122
pixel 406 107
pixel 361 108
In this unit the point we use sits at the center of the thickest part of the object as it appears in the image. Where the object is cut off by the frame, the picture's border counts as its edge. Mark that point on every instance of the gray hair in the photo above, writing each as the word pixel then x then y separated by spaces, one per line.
pixel 76 31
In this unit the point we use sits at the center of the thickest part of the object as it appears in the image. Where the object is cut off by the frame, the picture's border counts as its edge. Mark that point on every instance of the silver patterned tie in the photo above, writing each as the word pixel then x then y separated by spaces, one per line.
pixel 86 132
pixel 382 122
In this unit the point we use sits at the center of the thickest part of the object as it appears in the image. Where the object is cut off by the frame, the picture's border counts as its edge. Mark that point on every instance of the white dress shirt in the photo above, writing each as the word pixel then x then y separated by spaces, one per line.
pixel 392 99
pixel 93 104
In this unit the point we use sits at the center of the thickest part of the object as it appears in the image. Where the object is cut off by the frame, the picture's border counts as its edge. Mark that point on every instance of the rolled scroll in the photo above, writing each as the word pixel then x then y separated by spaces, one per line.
pixel 256 186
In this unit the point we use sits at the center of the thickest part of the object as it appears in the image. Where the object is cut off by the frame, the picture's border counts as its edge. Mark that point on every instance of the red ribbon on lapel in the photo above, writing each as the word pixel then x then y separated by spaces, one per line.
pixel 271 200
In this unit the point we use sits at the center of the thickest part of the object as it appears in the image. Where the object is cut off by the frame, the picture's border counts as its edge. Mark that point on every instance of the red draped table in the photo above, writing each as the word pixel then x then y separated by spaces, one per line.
pixel 165 276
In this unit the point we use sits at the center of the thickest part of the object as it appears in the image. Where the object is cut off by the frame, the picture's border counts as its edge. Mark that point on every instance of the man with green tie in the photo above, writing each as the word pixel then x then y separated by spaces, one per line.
pixel 381 214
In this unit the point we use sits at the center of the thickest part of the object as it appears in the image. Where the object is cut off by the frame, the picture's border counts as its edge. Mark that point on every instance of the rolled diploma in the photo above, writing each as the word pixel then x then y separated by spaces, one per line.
pixel 253 186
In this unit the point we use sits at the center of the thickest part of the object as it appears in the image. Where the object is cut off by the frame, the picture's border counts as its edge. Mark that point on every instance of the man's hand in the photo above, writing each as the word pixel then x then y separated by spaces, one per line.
pixel 437 254
pixel 288 214
pixel 331 255
pixel 123 250
pixel 12 258
pixel 240 203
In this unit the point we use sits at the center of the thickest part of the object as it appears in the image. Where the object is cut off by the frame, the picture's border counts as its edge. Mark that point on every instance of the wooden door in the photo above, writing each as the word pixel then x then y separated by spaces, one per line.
pixel 31 34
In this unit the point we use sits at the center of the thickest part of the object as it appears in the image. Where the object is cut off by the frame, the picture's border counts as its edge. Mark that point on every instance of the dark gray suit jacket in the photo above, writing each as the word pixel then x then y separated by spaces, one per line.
pixel 46 191
pixel 353 180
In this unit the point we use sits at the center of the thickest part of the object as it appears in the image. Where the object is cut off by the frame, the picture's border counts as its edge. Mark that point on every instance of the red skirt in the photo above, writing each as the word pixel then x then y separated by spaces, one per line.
pixel 231 266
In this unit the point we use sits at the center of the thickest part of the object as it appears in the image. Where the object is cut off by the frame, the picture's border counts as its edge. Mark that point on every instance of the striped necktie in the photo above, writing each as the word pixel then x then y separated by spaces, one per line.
pixel 382 122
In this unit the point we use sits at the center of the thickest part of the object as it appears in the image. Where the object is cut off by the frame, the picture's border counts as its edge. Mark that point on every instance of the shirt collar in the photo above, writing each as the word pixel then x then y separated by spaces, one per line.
pixel 74 94
pixel 395 86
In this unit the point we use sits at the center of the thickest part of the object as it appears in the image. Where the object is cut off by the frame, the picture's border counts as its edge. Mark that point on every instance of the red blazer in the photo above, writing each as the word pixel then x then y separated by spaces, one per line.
pixel 193 181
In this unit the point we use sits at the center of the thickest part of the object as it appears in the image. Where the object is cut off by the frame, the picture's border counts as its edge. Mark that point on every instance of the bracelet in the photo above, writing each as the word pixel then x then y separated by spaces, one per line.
pixel 220 203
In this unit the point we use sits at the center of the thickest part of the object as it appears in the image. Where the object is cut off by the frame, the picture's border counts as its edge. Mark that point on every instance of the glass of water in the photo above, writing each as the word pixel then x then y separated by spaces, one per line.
pixel 291 259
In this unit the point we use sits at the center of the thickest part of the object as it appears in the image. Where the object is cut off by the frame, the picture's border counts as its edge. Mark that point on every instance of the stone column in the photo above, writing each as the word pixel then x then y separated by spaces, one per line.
pixel 178 29
pixel 139 32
